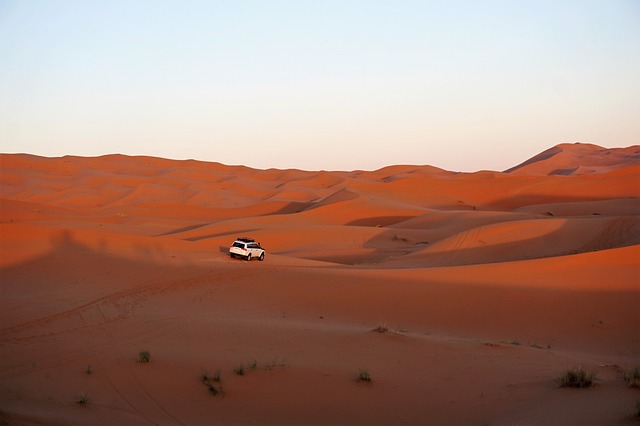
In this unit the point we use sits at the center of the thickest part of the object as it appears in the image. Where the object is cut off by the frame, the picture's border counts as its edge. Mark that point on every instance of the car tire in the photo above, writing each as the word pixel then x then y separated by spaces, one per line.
pixel 261 258
pixel 233 256
pixel 249 257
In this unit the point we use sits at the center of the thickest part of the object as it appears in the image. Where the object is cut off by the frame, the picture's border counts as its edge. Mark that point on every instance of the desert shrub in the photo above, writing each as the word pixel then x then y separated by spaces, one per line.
pixel 539 346
pixel 216 390
pixel 632 377
pixel 239 370
pixel 242 369
pixel 363 376
pixel 144 356
pixel 83 399
pixel 577 378
pixel 89 369
pixel 382 328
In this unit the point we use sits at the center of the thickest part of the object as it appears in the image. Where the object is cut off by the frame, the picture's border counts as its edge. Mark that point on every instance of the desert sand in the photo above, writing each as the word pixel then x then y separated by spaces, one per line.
pixel 483 287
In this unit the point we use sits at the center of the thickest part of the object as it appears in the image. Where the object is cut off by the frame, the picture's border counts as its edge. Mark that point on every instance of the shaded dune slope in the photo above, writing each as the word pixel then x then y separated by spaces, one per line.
pixel 487 286
pixel 411 216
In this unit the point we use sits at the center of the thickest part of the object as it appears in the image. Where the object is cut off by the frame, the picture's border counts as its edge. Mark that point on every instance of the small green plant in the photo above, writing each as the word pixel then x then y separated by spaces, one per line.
pixel 363 376
pixel 239 370
pixel 577 378
pixel 83 399
pixel 144 356
pixel 217 376
pixel 253 365
pixel 632 377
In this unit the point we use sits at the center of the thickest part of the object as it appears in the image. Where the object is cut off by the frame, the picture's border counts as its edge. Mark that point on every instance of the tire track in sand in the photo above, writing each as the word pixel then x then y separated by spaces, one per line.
pixel 128 398
pixel 129 298
pixel 39 330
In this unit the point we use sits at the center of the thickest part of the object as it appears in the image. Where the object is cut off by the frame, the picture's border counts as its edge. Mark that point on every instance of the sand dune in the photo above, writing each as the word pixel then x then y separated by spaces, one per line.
pixel 578 159
pixel 489 286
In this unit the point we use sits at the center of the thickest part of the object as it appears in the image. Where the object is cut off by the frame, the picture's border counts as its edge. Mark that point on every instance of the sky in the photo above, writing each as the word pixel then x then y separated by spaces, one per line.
pixel 319 85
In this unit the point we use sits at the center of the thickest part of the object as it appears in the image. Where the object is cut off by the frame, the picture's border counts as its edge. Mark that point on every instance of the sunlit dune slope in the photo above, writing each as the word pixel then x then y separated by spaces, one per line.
pixel 406 215
pixel 578 159
pixel 463 295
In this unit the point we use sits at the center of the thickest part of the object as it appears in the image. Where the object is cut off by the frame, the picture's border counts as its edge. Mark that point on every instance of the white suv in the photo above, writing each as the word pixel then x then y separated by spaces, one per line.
pixel 247 248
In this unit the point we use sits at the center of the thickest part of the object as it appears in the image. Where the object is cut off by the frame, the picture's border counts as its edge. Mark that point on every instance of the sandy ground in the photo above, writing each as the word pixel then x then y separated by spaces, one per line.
pixel 487 287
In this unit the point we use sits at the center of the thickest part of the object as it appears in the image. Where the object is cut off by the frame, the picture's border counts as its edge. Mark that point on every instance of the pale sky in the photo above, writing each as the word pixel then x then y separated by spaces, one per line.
pixel 333 85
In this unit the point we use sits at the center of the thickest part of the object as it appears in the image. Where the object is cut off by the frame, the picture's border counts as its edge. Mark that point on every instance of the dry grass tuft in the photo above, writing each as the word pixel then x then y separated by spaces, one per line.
pixel 382 328
pixel 577 378
pixel 83 399
pixel 632 377
pixel 363 376
pixel 144 356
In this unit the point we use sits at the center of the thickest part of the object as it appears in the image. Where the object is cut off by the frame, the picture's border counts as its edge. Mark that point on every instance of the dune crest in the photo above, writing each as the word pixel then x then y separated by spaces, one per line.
pixel 578 159
pixel 404 295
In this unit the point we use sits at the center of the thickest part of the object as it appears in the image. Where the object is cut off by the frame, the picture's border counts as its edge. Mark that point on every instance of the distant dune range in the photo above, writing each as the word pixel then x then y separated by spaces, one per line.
pixel 490 283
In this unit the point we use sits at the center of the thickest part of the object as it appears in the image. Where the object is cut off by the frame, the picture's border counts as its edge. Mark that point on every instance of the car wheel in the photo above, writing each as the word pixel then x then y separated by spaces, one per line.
pixel 261 258
pixel 249 257
pixel 233 256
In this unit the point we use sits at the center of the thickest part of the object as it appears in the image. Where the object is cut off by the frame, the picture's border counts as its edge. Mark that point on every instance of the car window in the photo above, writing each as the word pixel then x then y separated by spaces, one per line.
pixel 239 245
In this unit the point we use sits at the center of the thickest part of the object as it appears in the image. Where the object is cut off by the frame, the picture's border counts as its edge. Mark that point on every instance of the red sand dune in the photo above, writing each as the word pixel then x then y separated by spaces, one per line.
pixel 578 159
pixel 490 286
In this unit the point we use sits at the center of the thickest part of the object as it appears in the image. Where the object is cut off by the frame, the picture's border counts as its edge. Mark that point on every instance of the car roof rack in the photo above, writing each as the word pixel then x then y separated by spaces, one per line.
pixel 246 240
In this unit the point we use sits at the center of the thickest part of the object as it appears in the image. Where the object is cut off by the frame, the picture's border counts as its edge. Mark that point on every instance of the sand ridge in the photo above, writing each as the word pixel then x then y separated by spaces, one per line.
pixel 487 286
